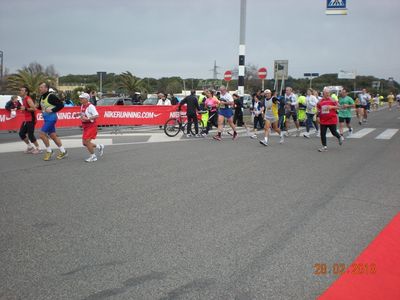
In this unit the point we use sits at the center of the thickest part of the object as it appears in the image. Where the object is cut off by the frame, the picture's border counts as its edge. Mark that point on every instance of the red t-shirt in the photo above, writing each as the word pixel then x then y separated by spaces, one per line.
pixel 29 115
pixel 327 116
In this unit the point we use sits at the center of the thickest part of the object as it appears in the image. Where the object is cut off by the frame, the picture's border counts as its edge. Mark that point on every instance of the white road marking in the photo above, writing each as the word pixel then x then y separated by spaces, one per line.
pixel 361 133
pixel 387 134
pixel 67 143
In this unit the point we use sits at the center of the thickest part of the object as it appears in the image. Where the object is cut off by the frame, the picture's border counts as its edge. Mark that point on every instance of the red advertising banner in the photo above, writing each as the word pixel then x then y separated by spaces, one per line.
pixel 108 115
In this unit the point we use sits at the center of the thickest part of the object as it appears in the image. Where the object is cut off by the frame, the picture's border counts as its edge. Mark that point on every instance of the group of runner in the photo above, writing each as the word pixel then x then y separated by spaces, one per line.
pixel 50 104
pixel 269 112
pixel 272 112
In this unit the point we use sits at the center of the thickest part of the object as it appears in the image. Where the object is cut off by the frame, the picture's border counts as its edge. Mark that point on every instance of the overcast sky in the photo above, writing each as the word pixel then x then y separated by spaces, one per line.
pixel 158 38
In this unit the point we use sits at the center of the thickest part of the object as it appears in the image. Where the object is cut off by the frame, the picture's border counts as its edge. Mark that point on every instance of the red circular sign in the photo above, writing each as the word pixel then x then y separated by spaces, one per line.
pixel 262 73
pixel 228 76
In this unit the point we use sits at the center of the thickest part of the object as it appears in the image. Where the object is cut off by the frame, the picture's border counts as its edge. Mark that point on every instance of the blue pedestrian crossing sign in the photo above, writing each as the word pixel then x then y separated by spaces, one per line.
pixel 336 7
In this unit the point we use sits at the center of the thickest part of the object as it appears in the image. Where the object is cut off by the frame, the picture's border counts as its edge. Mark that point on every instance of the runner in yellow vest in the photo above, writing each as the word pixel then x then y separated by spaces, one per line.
pixel 204 117
pixel 301 112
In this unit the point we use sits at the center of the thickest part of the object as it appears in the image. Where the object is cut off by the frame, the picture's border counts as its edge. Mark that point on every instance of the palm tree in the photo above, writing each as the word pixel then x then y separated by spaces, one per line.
pixel 30 76
pixel 130 83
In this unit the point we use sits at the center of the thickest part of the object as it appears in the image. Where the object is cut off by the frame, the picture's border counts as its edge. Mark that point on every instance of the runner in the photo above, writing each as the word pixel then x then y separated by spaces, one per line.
pixel 50 105
pixel 256 110
pixel 398 101
pixel 27 130
pixel 364 98
pixel 270 117
pixel 238 116
pixel 328 119
pixel 225 112
pixel 88 117
pixel 311 110
pixel 346 103
pixel 316 118
pixel 211 104
pixel 390 100
pixel 375 102
pixel 291 110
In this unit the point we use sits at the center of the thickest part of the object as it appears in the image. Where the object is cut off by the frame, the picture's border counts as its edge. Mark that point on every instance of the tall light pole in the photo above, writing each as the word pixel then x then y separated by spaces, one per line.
pixel 242 47
pixel 1 64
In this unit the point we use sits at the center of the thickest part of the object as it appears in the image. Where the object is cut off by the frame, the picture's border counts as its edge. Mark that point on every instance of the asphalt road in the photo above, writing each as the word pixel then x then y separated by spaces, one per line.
pixel 194 220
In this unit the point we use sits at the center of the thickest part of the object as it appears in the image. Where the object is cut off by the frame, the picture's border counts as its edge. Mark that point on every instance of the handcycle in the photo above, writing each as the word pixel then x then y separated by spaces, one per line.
pixel 175 125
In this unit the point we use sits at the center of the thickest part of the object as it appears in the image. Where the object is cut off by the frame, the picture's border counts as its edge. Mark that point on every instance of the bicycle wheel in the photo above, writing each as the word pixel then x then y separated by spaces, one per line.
pixel 201 127
pixel 172 127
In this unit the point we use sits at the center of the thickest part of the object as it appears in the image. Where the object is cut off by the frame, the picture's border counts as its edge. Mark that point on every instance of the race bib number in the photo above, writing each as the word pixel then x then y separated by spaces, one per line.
pixel 325 109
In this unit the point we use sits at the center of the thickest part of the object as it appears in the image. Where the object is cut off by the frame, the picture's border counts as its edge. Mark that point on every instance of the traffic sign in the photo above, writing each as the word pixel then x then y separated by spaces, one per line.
pixel 262 73
pixel 228 75
pixel 336 7
pixel 311 74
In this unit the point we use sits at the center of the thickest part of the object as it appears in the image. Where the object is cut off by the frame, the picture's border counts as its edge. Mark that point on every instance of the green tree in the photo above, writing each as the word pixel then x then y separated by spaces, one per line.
pixel 31 76
pixel 130 84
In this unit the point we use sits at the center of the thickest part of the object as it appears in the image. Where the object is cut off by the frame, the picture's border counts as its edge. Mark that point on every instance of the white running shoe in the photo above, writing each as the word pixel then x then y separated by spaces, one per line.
pixel 341 139
pixel 317 134
pixel 263 142
pixel 188 135
pixel 91 159
pixel 350 132
pixel 306 135
pixel 254 136
pixel 101 150
pixel 282 140
pixel 323 149
pixel 29 150
pixel 298 132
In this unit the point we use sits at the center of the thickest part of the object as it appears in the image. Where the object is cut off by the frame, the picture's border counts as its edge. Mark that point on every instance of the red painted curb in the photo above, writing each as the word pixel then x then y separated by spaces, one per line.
pixel 375 274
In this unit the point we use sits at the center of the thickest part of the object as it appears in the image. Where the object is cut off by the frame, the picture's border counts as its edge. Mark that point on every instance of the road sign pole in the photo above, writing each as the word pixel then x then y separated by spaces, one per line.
pixel 262 84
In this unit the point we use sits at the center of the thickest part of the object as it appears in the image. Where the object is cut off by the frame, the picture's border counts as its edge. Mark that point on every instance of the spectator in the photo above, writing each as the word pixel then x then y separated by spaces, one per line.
pixel 162 100
pixel 93 98
pixel 12 106
pixel 173 99
pixel 191 113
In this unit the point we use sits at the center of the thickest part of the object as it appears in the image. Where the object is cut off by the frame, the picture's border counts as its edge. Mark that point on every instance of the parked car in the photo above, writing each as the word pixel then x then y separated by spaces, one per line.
pixel 246 101
pixel 150 101
pixel 114 101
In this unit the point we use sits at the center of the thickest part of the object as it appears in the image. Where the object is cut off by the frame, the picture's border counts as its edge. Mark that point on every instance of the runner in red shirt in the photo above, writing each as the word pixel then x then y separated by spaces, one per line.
pixel 27 130
pixel 328 118
pixel 89 115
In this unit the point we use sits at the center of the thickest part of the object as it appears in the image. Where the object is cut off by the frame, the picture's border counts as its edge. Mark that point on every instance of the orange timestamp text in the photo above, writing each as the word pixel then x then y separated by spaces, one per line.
pixel 340 269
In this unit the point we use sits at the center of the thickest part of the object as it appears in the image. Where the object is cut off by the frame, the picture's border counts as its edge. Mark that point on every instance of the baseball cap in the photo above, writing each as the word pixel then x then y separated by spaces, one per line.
pixel 84 96
pixel 267 91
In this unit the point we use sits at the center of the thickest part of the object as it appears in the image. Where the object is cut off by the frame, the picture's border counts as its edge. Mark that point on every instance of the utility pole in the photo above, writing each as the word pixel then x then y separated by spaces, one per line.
pixel 215 72
pixel 242 47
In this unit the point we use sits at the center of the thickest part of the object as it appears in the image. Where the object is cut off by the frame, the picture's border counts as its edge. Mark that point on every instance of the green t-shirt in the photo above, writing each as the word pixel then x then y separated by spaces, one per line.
pixel 346 112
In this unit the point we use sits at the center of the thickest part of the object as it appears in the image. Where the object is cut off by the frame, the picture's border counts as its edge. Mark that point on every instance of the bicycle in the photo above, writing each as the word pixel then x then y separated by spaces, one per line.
pixel 174 125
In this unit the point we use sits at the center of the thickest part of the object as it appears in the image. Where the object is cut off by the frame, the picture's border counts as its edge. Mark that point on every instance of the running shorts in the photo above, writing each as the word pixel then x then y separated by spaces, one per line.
pixel 226 112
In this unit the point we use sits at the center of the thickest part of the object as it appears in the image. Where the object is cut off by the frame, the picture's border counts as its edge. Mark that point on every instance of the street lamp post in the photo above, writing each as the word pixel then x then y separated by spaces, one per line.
pixel 311 76
pixel 1 65
pixel 242 47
